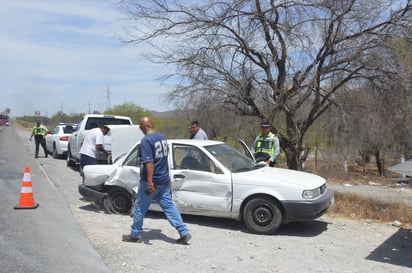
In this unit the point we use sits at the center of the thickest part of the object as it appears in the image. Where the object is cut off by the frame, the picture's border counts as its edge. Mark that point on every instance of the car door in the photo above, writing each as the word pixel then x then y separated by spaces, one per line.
pixel 246 150
pixel 50 137
pixel 201 187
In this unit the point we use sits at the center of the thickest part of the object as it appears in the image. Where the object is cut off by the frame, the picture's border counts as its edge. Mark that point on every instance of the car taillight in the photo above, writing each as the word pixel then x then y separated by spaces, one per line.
pixel 64 138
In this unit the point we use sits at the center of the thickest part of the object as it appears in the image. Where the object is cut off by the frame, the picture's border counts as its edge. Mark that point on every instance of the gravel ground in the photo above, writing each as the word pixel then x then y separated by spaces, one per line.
pixel 327 244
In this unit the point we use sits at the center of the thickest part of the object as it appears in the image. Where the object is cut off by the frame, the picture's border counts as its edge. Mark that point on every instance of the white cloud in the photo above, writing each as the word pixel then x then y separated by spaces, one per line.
pixel 62 55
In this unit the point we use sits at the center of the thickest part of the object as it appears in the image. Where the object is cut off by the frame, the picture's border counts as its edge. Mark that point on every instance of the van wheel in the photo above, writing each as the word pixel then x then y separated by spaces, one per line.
pixel 262 215
pixel 117 201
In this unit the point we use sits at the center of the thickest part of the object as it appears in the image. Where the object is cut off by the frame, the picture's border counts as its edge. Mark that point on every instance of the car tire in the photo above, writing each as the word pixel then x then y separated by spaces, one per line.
pixel 262 215
pixel 117 201
pixel 54 153
pixel 69 161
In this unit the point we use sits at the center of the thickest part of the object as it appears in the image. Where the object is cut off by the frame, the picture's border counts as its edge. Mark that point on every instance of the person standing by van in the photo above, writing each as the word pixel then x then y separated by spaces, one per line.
pixel 92 143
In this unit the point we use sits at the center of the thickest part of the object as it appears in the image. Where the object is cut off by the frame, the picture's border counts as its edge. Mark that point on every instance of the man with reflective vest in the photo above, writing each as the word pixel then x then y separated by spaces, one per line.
pixel 266 146
pixel 39 132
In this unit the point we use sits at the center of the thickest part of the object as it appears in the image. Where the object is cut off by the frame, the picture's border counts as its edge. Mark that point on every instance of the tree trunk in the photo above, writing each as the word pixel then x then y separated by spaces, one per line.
pixel 291 157
pixel 379 162
pixel 295 155
pixel 292 144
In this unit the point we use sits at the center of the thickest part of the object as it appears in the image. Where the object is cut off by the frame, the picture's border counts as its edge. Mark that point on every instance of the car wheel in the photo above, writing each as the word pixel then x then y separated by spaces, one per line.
pixel 262 215
pixel 117 201
pixel 69 161
pixel 55 154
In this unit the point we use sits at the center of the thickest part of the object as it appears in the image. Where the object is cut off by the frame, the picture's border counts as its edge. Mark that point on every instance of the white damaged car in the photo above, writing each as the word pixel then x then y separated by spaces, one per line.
pixel 211 178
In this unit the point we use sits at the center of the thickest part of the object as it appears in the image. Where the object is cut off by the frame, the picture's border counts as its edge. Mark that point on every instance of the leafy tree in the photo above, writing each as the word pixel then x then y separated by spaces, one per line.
pixel 136 112
pixel 284 59
pixel 30 121
pixel 60 117
pixel 128 109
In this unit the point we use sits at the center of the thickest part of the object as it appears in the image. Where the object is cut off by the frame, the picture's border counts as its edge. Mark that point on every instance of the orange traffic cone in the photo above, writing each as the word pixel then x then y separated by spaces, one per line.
pixel 26 194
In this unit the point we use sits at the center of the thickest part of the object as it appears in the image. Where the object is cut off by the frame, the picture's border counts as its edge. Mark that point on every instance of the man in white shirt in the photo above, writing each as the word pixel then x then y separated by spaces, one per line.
pixel 197 132
pixel 92 143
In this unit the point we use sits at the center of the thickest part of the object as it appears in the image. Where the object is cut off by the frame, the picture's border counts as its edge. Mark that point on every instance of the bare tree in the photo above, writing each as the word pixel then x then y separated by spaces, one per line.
pixel 268 58
pixel 400 54
pixel 374 118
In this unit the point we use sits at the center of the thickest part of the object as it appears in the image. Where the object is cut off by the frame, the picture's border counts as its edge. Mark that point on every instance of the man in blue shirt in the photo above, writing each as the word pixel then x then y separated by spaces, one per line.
pixel 154 184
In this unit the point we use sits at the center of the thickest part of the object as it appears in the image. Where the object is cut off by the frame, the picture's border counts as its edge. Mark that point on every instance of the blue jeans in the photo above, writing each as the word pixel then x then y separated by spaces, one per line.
pixel 164 199
pixel 86 160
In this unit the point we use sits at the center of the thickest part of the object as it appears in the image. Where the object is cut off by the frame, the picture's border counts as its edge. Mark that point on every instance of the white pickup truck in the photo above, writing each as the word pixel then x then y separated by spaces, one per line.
pixel 121 137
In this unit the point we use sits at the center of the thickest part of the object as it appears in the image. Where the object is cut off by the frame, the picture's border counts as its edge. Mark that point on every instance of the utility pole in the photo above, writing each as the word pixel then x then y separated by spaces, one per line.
pixel 108 106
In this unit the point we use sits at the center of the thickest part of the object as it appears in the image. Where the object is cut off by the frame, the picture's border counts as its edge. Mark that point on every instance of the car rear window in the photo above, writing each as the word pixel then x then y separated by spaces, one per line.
pixel 68 129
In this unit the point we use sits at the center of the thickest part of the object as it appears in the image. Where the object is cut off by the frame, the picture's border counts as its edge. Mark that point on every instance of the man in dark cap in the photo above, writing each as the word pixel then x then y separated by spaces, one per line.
pixel 39 132
pixel 266 146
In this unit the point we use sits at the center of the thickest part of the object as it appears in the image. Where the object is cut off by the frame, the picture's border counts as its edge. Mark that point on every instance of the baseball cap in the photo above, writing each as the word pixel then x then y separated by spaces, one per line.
pixel 264 124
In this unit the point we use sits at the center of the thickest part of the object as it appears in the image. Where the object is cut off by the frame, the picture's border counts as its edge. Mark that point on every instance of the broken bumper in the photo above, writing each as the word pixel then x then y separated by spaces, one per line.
pixel 91 194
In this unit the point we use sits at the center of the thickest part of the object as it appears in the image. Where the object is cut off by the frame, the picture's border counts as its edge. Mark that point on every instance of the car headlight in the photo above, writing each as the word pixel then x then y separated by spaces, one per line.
pixel 311 194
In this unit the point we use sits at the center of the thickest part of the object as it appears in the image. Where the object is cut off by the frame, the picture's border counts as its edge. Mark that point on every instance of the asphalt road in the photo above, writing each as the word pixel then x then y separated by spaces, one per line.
pixel 45 239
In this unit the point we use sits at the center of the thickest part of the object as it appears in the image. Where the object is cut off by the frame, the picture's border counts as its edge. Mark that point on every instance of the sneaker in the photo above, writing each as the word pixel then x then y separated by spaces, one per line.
pixel 36 156
pixel 184 240
pixel 45 155
pixel 130 239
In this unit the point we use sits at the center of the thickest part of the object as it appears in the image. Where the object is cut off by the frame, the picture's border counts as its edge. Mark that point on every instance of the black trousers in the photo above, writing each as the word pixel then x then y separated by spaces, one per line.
pixel 40 140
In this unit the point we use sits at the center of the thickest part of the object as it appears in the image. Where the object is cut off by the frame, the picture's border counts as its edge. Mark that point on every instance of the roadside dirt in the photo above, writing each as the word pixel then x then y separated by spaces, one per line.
pixel 328 244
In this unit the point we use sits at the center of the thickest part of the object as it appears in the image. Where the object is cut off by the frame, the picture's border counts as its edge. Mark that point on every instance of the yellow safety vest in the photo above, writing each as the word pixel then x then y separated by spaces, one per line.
pixel 39 130
pixel 264 144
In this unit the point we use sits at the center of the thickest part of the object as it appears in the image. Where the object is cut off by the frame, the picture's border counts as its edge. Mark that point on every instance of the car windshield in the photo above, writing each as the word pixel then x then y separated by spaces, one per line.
pixel 232 158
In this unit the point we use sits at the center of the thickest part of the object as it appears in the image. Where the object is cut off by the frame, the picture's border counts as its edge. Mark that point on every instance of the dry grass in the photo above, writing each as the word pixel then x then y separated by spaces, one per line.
pixel 354 206
pixel 357 207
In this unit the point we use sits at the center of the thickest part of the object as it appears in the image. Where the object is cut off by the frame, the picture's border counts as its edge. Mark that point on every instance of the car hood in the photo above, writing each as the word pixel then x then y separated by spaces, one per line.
pixel 272 176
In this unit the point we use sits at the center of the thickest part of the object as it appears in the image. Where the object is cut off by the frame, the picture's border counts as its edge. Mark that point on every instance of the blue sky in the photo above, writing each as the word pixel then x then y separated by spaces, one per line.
pixel 59 55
